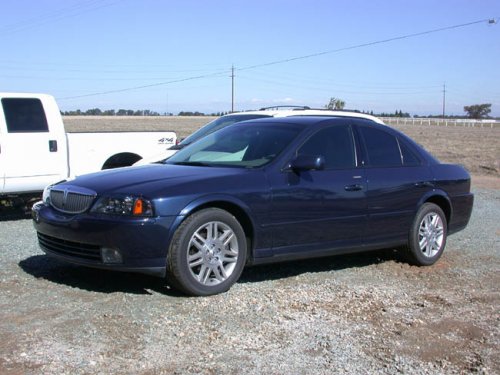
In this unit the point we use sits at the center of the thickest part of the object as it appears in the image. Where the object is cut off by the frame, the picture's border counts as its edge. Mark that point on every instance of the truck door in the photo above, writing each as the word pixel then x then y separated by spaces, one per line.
pixel 33 144
pixel 2 157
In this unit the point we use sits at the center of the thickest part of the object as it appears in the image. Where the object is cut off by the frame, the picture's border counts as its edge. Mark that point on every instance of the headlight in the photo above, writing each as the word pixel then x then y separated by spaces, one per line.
pixel 126 205
pixel 46 195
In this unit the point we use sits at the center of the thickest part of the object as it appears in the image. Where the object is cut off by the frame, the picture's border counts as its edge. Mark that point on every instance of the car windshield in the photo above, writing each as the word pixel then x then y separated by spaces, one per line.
pixel 217 124
pixel 244 146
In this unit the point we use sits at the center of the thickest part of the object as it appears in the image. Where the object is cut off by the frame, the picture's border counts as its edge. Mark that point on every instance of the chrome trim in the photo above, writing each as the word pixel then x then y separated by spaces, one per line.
pixel 71 199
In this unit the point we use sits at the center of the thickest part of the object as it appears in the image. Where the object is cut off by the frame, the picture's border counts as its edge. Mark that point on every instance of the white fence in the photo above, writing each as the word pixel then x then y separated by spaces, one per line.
pixel 441 122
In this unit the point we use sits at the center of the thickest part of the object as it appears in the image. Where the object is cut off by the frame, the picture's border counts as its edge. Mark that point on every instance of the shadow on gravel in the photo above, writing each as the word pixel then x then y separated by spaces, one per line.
pixel 92 279
pixel 16 208
pixel 278 271
pixel 14 214
pixel 104 281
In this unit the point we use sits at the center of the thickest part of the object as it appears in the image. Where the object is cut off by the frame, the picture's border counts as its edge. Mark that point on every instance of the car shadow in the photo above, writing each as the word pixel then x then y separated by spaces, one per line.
pixel 104 281
pixel 284 270
pixel 16 208
pixel 12 214
pixel 94 279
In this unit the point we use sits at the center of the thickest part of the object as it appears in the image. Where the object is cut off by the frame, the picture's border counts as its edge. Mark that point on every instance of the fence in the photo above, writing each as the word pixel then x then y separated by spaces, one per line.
pixel 441 122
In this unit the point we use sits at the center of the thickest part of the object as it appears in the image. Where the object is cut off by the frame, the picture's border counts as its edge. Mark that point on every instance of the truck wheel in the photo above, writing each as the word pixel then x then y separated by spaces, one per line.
pixel 427 237
pixel 207 253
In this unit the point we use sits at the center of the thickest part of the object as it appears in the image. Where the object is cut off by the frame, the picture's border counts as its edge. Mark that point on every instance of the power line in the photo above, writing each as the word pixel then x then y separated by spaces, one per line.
pixel 147 86
pixel 282 61
pixel 407 36
pixel 50 17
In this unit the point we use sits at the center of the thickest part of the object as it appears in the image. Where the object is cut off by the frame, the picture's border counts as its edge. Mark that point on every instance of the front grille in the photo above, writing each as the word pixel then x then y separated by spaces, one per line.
pixel 71 199
pixel 68 248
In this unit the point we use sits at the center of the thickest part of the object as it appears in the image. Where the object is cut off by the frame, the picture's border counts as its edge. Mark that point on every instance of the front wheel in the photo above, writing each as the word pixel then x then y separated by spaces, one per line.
pixel 207 253
pixel 427 237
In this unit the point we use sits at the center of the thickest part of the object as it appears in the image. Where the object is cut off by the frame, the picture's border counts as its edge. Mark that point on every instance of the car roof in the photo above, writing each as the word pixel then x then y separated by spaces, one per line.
pixel 305 111
pixel 309 120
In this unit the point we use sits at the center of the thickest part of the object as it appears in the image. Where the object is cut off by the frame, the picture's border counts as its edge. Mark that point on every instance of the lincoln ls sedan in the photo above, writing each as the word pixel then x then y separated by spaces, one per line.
pixel 256 192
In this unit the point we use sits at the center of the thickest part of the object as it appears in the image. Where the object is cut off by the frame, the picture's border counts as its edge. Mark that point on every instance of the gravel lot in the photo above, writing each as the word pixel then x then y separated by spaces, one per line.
pixel 366 313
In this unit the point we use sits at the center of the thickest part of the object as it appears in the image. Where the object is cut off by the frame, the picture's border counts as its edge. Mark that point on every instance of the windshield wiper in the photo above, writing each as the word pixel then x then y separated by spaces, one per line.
pixel 179 146
pixel 193 163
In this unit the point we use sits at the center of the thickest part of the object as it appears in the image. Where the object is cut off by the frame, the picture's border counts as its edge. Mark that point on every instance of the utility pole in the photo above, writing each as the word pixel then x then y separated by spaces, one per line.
pixel 444 99
pixel 167 104
pixel 232 88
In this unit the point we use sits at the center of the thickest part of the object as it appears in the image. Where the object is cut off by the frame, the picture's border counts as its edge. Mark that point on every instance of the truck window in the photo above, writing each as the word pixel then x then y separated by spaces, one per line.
pixel 24 115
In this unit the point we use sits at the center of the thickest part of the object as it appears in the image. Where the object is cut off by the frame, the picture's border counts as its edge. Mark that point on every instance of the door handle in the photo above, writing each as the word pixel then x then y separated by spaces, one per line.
pixel 53 146
pixel 424 184
pixel 355 187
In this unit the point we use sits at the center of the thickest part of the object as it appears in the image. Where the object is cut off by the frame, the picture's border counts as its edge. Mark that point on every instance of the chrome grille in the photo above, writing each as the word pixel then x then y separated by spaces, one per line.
pixel 71 199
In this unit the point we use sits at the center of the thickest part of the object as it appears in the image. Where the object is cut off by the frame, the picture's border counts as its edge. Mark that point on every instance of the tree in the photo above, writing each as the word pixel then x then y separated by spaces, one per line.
pixel 93 112
pixel 109 112
pixel 335 103
pixel 478 111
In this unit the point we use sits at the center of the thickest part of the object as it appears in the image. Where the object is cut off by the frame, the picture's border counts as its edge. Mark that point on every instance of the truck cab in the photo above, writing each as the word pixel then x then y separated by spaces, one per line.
pixel 36 151
pixel 33 146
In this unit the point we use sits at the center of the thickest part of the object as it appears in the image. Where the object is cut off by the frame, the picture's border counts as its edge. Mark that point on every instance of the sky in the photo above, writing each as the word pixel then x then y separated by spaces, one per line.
pixel 177 55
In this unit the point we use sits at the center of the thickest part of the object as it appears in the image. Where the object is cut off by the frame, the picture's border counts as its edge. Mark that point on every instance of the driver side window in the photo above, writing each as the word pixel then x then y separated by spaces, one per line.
pixel 335 144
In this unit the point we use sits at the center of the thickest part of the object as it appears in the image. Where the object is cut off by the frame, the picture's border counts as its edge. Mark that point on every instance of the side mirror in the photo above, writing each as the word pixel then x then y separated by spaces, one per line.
pixel 307 163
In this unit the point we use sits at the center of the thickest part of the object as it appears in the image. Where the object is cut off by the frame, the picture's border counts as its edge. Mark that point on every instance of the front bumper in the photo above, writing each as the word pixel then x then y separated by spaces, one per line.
pixel 80 239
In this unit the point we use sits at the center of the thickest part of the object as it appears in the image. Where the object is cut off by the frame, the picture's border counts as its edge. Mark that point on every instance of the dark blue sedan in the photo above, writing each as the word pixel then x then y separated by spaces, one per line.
pixel 257 192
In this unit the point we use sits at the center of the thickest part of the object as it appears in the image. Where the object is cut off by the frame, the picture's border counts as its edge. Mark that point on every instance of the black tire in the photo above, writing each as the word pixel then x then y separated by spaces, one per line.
pixel 427 237
pixel 216 260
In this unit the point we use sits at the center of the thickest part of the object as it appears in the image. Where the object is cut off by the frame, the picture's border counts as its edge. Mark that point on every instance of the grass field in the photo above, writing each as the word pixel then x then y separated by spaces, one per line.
pixel 476 148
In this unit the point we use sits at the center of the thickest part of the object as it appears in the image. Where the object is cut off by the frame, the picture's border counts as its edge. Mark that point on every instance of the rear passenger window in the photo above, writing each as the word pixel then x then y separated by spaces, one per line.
pixel 382 148
pixel 409 158
pixel 335 144
pixel 24 115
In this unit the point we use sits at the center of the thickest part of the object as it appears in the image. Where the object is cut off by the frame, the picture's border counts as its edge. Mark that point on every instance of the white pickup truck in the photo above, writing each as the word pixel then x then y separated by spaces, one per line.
pixel 35 149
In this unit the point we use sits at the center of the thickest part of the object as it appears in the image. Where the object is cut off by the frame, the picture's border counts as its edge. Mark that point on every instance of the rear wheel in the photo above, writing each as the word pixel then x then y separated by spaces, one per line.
pixel 427 238
pixel 207 253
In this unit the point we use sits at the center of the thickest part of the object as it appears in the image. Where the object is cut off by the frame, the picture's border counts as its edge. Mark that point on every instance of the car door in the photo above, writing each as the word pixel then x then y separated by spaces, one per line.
pixel 33 155
pixel 396 181
pixel 320 209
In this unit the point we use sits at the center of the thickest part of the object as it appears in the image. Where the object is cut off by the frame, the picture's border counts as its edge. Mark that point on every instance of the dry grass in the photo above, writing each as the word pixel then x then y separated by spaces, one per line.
pixel 182 125
pixel 476 148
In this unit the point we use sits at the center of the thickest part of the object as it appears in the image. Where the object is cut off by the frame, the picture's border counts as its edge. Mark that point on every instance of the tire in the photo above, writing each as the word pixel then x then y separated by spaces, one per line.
pixel 427 237
pixel 207 253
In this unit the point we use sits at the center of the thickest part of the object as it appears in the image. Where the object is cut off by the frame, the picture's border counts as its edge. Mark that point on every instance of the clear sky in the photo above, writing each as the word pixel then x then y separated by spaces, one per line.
pixel 74 49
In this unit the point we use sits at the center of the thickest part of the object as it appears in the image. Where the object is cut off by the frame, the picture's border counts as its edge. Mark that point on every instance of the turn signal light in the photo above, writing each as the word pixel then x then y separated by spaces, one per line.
pixel 138 207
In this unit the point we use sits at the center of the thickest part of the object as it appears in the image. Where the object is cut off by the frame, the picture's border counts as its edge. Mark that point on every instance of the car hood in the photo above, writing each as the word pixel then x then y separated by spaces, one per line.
pixel 149 179
pixel 156 158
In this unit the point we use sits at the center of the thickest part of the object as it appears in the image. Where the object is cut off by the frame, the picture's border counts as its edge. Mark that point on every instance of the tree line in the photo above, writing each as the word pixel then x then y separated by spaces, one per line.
pixel 131 112
pixel 476 111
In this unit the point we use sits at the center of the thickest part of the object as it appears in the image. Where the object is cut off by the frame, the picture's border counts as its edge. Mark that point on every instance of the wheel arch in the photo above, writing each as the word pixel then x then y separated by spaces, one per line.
pixel 122 159
pixel 440 199
pixel 235 207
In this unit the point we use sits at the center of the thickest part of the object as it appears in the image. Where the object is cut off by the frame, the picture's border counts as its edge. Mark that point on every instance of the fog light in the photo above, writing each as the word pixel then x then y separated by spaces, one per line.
pixel 109 255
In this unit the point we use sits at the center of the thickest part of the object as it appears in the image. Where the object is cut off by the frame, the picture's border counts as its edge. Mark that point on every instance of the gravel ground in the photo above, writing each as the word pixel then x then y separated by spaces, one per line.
pixel 365 313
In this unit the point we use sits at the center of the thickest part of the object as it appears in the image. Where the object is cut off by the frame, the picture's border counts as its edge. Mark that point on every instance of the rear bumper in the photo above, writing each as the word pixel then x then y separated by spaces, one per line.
pixel 79 239
pixel 462 211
